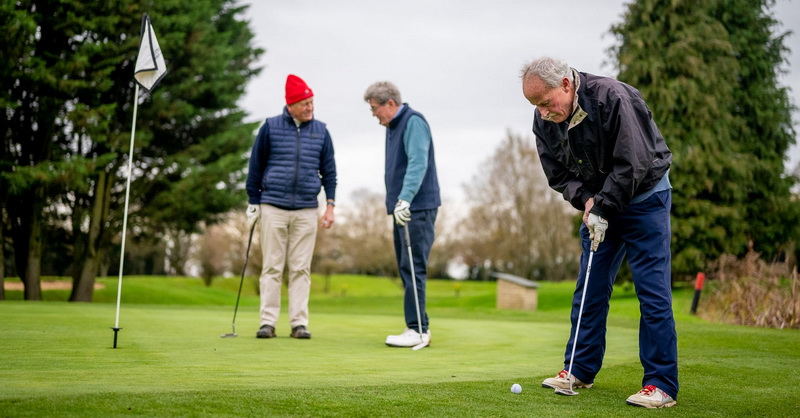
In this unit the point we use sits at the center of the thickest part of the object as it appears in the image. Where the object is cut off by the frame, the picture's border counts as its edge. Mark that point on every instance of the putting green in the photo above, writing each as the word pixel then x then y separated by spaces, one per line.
pixel 56 357
pixel 69 347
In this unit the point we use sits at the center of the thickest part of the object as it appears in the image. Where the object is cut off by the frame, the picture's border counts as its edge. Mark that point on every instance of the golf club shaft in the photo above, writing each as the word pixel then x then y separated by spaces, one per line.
pixel 580 315
pixel 241 281
pixel 413 279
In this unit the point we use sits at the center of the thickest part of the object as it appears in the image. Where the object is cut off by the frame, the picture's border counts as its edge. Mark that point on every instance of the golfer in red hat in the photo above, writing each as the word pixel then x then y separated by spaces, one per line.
pixel 291 160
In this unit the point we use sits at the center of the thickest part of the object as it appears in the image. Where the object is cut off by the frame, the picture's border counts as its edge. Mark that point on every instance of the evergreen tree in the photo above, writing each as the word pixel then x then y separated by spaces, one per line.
pixel 763 106
pixel 707 70
pixel 70 156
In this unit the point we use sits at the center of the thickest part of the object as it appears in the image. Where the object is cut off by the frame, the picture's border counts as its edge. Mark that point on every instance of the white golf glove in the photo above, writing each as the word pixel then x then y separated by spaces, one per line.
pixel 597 230
pixel 402 212
pixel 253 212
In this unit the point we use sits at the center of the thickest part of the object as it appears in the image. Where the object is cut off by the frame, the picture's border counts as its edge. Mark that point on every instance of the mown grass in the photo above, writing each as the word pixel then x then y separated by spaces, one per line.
pixel 56 357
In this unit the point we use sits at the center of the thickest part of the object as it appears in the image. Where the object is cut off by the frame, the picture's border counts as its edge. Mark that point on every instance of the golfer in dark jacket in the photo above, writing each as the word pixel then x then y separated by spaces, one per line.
pixel 601 149
pixel 292 158
pixel 412 196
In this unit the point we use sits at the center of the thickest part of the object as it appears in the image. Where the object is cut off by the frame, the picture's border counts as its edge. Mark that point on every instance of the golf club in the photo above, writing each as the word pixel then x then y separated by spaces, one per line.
pixel 422 343
pixel 233 333
pixel 570 392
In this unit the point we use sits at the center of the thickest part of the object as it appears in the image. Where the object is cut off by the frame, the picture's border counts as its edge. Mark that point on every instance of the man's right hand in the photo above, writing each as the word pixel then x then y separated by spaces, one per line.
pixel 253 212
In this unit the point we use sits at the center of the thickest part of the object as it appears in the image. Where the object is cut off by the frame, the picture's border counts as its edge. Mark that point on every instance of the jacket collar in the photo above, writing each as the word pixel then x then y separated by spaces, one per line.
pixel 399 115
pixel 578 114
pixel 289 118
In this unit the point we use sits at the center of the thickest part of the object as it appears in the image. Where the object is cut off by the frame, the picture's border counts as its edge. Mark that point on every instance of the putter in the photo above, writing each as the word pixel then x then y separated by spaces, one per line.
pixel 233 333
pixel 422 343
pixel 570 392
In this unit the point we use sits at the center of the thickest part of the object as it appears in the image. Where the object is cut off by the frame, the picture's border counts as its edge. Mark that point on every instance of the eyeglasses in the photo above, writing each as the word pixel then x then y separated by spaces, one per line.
pixel 375 108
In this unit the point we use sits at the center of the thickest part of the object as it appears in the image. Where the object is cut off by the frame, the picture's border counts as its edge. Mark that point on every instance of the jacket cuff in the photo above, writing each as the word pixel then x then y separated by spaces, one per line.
pixel 597 210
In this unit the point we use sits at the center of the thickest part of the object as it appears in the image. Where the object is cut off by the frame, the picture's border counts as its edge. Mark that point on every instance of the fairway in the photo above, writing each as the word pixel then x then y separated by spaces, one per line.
pixel 57 358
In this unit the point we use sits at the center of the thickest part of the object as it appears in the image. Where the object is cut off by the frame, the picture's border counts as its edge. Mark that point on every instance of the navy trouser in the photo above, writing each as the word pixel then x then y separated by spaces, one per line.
pixel 421 231
pixel 642 232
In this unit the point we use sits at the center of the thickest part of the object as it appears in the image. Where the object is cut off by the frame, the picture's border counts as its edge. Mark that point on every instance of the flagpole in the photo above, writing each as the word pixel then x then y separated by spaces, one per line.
pixel 116 327
pixel 150 68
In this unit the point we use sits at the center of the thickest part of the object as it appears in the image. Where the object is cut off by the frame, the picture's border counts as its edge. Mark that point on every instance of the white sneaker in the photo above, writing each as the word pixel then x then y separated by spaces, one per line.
pixel 409 338
pixel 560 382
pixel 651 397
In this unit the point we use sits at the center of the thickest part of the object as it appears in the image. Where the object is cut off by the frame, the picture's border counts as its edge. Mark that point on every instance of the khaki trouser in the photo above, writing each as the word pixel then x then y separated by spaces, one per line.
pixel 287 240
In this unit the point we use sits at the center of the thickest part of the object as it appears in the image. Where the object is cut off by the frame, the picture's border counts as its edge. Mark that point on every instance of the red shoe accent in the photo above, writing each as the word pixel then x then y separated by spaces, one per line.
pixel 648 389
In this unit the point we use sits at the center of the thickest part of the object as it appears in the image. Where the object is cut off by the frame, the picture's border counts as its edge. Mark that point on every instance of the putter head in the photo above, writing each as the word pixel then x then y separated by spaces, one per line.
pixel 420 346
pixel 565 392
pixel 229 335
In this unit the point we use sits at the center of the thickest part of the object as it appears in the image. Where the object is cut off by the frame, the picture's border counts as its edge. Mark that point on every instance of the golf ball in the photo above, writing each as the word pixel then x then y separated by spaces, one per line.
pixel 516 388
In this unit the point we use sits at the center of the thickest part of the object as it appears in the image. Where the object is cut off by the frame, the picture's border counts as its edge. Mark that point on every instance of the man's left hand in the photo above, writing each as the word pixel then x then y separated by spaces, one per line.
pixel 597 230
pixel 402 212
pixel 253 213
pixel 327 218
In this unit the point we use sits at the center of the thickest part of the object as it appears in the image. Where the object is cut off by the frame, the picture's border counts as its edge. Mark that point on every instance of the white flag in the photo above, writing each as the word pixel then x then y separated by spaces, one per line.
pixel 150 66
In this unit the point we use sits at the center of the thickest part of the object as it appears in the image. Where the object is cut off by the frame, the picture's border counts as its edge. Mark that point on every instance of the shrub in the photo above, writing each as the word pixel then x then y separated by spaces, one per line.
pixel 750 291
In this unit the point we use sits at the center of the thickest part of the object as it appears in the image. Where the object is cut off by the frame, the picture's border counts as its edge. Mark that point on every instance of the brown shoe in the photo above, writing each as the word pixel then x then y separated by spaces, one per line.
pixel 266 331
pixel 301 332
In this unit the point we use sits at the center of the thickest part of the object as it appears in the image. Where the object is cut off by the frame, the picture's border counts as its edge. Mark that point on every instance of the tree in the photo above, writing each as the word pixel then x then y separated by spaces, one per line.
pixel 66 131
pixel 708 72
pixel 328 256
pixel 768 134
pixel 30 93
pixel 517 224
pixel 366 242
pixel 445 245
pixel 212 252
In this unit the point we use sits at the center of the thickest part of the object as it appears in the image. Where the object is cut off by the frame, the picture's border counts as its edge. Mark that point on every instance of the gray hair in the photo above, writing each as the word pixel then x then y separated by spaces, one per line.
pixel 382 92
pixel 550 70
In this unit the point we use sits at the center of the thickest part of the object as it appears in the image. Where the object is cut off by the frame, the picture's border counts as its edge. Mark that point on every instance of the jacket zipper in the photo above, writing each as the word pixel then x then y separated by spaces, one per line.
pixel 296 165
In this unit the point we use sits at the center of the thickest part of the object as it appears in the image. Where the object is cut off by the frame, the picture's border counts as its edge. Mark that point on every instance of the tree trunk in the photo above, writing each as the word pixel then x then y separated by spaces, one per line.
pixel 179 252
pixel 83 287
pixel 92 253
pixel 33 271
pixel 31 278
pixel 25 216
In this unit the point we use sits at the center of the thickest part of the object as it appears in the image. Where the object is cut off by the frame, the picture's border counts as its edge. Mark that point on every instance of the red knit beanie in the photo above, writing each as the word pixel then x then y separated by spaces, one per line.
pixel 297 89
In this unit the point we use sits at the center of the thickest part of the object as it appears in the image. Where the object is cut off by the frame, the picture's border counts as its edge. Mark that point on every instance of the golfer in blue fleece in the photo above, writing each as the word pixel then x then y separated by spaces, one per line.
pixel 412 196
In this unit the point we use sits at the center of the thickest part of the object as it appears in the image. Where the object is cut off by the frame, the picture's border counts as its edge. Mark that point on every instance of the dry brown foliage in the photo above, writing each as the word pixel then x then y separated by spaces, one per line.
pixel 516 223
pixel 750 291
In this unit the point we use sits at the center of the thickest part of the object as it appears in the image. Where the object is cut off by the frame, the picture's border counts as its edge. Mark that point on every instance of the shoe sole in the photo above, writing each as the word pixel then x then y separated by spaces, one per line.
pixel 406 346
pixel 400 346
pixel 648 406
pixel 574 386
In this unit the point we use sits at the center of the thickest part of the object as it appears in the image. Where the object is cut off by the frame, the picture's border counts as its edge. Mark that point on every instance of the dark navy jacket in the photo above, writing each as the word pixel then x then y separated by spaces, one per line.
pixel 289 164
pixel 615 153
pixel 427 196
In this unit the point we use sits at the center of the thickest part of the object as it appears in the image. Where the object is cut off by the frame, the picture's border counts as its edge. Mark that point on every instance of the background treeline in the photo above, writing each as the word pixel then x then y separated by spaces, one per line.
pixel 708 70
pixel 67 91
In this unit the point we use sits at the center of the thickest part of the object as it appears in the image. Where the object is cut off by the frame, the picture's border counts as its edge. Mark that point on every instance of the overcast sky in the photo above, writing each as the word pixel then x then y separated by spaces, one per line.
pixel 456 61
